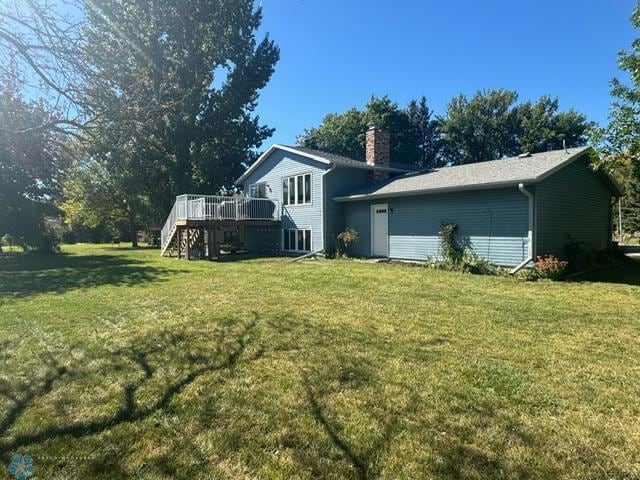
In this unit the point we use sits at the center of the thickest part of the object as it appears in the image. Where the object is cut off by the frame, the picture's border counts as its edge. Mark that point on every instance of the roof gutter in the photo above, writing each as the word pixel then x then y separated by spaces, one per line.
pixel 411 193
pixel 531 234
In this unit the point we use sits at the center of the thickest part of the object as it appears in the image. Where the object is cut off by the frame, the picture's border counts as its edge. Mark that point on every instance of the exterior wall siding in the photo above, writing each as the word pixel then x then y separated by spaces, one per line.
pixel 263 239
pixel 573 204
pixel 357 216
pixel 492 223
pixel 282 164
pixel 340 181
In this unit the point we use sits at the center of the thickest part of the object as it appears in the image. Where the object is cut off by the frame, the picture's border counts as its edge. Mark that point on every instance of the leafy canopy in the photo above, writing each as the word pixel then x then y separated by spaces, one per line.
pixel 618 144
pixel 414 133
pixel 31 169
pixel 489 125
pixel 174 88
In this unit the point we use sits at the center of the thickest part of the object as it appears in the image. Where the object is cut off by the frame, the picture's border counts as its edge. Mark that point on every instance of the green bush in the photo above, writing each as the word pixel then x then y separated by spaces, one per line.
pixel 457 259
pixel 472 263
pixel 467 262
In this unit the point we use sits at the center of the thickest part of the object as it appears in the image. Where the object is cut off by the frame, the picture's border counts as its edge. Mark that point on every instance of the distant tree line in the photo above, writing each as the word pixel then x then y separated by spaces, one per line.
pixel 489 125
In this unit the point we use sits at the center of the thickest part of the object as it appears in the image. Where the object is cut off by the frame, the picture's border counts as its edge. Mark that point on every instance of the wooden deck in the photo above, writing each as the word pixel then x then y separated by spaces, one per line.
pixel 190 227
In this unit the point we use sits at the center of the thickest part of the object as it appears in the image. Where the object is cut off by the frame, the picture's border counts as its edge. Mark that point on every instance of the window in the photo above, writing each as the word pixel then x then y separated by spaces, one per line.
pixel 292 190
pixel 296 240
pixel 285 191
pixel 300 189
pixel 307 188
pixel 296 190
pixel 258 190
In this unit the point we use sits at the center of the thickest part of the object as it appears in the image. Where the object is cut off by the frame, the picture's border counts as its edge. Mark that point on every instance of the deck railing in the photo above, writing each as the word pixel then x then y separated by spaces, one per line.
pixel 213 207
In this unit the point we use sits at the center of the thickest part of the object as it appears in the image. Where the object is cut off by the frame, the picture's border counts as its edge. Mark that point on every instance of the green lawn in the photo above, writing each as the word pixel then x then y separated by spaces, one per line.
pixel 120 364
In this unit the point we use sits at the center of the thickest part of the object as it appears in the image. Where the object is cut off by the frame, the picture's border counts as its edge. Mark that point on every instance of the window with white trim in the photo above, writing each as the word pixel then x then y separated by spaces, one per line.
pixel 258 190
pixel 296 190
pixel 296 240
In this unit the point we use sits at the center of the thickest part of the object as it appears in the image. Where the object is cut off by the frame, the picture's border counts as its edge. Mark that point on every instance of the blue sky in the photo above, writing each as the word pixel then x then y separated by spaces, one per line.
pixel 336 53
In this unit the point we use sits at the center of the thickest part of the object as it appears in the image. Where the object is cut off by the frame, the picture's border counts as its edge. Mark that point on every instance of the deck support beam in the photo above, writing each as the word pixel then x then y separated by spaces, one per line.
pixel 188 244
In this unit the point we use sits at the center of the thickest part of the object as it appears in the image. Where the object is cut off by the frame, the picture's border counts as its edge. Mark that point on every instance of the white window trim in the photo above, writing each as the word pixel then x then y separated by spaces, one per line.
pixel 304 204
pixel 310 230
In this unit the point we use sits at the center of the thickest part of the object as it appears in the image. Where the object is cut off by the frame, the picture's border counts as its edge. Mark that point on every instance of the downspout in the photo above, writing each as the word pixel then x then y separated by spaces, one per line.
pixel 324 220
pixel 531 236
pixel 620 232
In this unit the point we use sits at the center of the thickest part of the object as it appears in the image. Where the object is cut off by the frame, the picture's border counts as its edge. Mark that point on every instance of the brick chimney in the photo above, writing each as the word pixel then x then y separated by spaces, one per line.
pixel 377 150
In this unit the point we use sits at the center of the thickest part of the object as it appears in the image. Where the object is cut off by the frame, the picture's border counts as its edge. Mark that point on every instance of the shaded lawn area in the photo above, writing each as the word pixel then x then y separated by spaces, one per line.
pixel 120 364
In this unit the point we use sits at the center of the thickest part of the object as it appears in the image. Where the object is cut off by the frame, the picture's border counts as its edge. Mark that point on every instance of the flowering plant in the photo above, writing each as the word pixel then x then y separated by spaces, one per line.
pixel 550 267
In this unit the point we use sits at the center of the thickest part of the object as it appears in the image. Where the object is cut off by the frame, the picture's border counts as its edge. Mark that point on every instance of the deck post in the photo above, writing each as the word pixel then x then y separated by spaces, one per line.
pixel 179 236
pixel 188 243
pixel 208 251
pixel 216 247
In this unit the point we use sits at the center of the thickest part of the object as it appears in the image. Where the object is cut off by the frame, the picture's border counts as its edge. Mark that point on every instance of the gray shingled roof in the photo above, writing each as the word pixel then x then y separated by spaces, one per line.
pixel 494 173
pixel 351 162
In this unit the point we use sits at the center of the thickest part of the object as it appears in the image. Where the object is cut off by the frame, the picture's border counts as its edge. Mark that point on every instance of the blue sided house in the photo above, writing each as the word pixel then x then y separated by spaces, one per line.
pixel 297 200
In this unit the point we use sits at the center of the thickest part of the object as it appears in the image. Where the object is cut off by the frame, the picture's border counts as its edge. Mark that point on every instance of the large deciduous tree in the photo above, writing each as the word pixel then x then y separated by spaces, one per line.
pixel 487 126
pixel 414 133
pixel 177 85
pixel 180 79
pixel 162 94
pixel 619 142
pixel 492 124
pixel 426 131
pixel 31 168
pixel 544 128
pixel 481 128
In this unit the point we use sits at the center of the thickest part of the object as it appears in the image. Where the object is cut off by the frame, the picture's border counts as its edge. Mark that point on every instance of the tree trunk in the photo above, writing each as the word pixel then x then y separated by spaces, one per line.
pixel 132 228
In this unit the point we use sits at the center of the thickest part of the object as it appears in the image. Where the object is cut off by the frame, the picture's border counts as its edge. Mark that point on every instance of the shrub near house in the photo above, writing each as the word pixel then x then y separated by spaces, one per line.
pixel 550 267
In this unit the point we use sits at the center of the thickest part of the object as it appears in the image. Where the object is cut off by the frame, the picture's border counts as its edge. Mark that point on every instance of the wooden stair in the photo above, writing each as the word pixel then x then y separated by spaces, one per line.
pixel 182 246
pixel 169 248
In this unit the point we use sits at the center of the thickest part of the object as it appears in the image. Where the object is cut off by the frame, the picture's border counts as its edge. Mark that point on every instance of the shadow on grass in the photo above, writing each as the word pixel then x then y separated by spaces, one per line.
pixel 365 462
pixel 147 356
pixel 627 274
pixel 22 275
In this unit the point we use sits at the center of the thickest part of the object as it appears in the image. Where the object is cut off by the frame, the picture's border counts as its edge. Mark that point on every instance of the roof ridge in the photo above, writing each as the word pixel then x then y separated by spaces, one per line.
pixel 569 151
pixel 489 174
